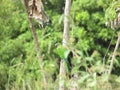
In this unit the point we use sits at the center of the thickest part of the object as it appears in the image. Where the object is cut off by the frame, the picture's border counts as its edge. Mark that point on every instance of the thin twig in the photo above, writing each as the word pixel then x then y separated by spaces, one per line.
pixel 114 54
pixel 107 50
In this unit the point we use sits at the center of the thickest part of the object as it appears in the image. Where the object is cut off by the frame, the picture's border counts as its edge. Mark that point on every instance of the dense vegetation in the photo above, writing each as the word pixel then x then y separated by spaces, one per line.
pixel 89 40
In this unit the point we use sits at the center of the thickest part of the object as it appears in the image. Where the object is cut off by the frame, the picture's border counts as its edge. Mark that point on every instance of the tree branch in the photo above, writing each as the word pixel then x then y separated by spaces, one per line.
pixel 114 54
pixel 38 50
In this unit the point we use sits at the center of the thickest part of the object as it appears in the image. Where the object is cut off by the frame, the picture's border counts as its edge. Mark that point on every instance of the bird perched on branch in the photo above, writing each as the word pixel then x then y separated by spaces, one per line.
pixel 36 11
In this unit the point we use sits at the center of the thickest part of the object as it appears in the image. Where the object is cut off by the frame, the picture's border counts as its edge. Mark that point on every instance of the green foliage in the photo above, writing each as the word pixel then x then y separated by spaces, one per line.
pixel 13 50
pixel 89 39
pixel 62 52
pixel 111 11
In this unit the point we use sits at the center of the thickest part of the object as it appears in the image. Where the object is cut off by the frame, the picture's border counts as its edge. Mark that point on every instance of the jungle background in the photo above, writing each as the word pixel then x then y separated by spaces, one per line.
pixel 89 39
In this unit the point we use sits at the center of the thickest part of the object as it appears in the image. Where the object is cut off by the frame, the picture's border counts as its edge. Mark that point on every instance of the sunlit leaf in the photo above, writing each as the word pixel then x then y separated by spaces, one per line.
pixel 63 52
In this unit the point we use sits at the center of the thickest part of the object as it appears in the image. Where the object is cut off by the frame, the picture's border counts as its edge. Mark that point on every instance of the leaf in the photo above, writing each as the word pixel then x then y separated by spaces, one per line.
pixel 62 52
pixel 91 84
pixel 81 80
pixel 104 77
pixel 66 53
pixel 118 80
pixel 61 19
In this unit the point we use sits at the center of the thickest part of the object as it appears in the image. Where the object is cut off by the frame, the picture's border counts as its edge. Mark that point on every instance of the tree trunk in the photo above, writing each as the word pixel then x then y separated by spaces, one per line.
pixel 65 43
pixel 38 51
